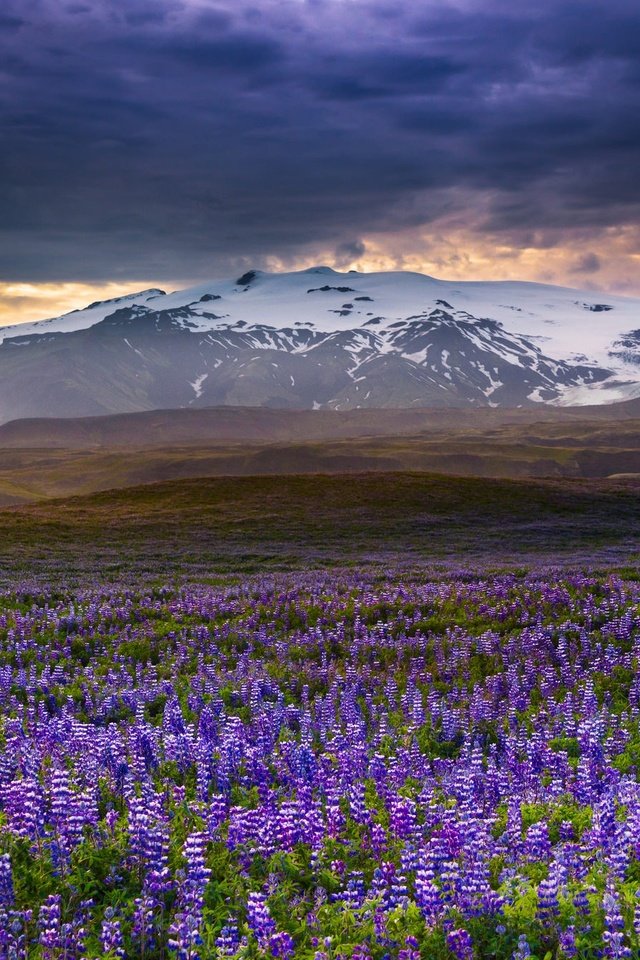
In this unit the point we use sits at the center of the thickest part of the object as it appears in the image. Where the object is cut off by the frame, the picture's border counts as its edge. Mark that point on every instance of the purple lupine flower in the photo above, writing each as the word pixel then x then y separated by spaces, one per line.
pixel 460 944
pixel 282 945
pixel 24 805
pixel 197 873
pixel 354 891
pixel 228 940
pixel 613 936
pixel 380 925
pixel 144 929
pixel 410 951
pixel 185 931
pixel 184 935
pixel 537 845
pixel 566 830
pixel 111 938
pixel 567 942
pixel 157 879
pixel 397 892
pixel 73 937
pixel 13 937
pixel 49 924
pixel 581 902
pixel 428 897
pixel 6 882
pixel 523 950
pixel 548 907
pixel 260 921
pixel 361 952
pixel 378 839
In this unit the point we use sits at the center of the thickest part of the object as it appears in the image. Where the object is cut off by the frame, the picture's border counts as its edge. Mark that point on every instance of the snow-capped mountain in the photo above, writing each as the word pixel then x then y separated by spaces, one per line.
pixel 318 338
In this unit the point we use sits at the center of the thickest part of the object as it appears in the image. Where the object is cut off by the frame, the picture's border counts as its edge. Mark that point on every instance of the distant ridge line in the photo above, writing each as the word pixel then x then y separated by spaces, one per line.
pixel 166 427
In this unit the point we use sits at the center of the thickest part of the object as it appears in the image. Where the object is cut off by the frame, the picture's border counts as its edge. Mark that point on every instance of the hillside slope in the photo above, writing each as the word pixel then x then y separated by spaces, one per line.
pixel 60 457
pixel 204 528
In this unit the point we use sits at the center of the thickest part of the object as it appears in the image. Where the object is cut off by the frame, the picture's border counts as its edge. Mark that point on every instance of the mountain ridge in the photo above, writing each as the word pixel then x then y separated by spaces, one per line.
pixel 320 339
pixel 244 424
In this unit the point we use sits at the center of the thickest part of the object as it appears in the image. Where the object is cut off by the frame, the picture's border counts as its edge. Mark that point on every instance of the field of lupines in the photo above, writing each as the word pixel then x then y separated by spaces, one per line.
pixel 324 767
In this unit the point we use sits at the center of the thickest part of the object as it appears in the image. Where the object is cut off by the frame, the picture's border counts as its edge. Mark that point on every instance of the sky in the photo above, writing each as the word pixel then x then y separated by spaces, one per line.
pixel 162 142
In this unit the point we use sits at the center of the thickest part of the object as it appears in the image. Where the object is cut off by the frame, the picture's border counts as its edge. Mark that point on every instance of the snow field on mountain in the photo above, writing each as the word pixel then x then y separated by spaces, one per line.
pixel 470 341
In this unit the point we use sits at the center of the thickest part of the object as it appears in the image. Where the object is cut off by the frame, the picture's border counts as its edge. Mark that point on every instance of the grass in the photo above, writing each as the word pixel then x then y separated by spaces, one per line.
pixel 215 525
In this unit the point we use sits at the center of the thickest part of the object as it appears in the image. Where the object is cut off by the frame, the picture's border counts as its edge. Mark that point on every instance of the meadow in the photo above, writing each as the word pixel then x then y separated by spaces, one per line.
pixel 323 766
pixel 204 527
pixel 404 724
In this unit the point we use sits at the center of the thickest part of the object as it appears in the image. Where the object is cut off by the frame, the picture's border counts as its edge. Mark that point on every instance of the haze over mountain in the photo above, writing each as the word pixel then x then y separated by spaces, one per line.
pixel 322 339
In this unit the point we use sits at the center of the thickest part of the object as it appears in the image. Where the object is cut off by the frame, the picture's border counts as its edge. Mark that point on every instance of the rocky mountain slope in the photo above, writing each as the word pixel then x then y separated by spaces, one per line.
pixel 320 339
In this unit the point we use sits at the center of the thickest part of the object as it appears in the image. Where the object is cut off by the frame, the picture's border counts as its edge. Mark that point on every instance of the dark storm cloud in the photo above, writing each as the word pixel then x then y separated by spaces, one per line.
pixel 348 251
pixel 587 263
pixel 173 138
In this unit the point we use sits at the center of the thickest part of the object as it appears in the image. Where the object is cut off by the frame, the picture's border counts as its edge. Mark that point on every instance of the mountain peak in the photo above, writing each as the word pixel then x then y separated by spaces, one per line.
pixel 248 278
pixel 327 271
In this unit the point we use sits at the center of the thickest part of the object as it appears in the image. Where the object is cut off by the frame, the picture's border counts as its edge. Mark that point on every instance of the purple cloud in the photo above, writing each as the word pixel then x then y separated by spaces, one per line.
pixel 173 139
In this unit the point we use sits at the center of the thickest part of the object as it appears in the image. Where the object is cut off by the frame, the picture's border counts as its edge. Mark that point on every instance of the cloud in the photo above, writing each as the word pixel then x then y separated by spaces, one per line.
pixel 182 139
pixel 587 263
pixel 348 252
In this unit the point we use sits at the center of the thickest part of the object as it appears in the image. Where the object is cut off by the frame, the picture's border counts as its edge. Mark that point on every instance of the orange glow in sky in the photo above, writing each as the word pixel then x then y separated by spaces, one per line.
pixel 609 262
